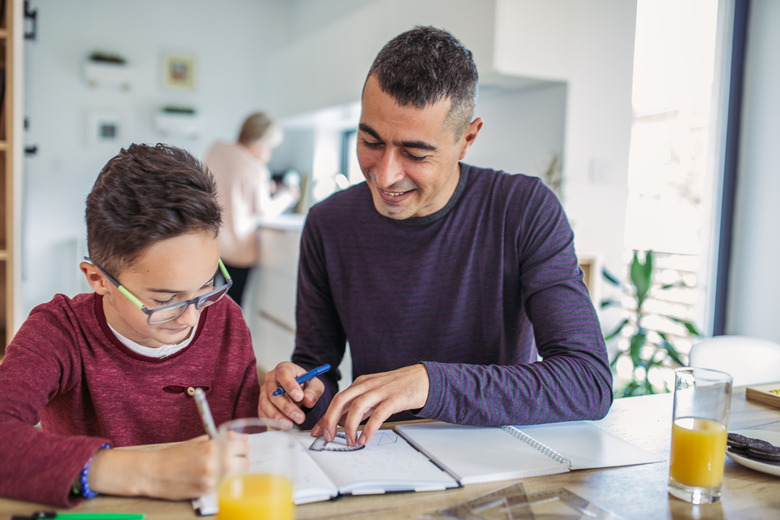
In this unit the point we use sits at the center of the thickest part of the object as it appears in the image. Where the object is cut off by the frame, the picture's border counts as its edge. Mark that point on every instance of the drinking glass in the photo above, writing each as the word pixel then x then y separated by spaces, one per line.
pixel 702 399
pixel 262 487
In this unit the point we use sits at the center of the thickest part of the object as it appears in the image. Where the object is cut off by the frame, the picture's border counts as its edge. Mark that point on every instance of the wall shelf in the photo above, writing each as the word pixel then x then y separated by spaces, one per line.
pixel 104 74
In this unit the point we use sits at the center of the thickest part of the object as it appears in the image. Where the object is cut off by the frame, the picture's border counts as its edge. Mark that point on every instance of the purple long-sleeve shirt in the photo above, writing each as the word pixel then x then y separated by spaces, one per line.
pixel 477 292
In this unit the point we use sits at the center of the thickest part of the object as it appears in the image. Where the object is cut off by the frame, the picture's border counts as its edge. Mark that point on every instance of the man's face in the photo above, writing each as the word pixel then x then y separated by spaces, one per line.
pixel 408 155
pixel 170 271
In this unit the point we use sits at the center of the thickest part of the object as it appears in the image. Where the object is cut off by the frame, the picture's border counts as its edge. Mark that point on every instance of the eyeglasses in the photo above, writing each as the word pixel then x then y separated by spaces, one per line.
pixel 173 311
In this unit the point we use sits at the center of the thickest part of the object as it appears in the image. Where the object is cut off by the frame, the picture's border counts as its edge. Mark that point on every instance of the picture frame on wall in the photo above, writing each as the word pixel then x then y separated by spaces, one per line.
pixel 104 126
pixel 179 71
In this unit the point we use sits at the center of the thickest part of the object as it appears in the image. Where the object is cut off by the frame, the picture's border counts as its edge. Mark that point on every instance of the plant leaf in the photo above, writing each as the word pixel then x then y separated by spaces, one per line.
pixel 641 275
pixel 637 342
pixel 616 330
pixel 610 277
pixel 690 327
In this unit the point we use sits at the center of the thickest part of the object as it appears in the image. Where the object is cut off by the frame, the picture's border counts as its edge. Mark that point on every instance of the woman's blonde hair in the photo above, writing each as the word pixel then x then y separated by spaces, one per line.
pixel 259 127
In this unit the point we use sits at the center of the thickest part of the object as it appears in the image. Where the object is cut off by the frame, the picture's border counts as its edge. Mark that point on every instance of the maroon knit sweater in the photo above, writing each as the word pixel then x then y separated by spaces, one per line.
pixel 66 369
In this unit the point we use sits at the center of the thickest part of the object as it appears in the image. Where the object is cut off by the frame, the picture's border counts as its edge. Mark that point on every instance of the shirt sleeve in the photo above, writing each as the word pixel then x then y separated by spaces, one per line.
pixel 38 466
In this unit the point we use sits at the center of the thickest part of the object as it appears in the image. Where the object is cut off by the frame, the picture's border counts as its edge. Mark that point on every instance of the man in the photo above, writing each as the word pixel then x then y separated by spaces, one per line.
pixel 448 281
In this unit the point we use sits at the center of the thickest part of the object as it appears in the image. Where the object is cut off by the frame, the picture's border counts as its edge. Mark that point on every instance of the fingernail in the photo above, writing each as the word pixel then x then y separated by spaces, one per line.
pixel 296 395
pixel 309 396
pixel 349 440
pixel 316 431
pixel 327 436
pixel 298 417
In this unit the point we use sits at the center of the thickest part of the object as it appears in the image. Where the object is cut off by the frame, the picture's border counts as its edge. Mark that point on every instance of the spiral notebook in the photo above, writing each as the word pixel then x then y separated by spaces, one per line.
pixel 473 454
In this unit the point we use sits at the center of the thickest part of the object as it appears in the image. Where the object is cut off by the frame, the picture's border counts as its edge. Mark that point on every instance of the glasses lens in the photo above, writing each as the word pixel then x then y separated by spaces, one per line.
pixel 212 297
pixel 167 314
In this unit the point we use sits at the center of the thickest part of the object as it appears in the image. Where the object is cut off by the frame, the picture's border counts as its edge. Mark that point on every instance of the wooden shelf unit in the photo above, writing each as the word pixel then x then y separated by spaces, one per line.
pixel 10 52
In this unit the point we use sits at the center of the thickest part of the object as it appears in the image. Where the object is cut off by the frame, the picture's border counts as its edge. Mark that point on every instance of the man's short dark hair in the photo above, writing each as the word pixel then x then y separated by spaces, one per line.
pixel 146 194
pixel 426 64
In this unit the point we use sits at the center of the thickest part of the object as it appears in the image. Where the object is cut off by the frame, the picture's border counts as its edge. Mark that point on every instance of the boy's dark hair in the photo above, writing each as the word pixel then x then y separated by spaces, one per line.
pixel 426 64
pixel 146 194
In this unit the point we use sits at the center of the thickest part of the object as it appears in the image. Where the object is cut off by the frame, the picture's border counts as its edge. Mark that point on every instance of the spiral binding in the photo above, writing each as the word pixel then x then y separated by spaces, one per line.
pixel 543 448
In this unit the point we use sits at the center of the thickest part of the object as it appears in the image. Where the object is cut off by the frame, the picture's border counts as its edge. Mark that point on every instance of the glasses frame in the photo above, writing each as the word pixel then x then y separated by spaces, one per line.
pixel 197 301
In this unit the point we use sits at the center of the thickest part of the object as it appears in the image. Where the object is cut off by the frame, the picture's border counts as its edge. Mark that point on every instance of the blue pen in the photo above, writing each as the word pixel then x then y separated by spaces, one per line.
pixel 305 377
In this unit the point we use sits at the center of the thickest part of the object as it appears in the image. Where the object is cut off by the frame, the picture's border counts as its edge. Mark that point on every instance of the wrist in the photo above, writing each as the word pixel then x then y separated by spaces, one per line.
pixel 81 484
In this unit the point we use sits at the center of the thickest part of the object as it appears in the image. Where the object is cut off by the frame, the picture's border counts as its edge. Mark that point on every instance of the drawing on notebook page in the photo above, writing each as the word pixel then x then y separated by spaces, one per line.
pixel 339 443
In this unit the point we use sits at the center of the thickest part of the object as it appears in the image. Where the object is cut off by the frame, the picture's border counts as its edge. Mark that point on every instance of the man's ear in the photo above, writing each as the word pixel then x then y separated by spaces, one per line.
pixel 95 278
pixel 469 136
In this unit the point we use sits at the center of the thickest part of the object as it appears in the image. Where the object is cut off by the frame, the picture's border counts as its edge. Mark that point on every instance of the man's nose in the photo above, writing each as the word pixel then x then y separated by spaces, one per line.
pixel 388 169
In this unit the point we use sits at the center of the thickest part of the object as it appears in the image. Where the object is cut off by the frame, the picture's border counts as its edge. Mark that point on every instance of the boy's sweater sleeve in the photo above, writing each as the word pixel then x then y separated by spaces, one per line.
pixel 36 465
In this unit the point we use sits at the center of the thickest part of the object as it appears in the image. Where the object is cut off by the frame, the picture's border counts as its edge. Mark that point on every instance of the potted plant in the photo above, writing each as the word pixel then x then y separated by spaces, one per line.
pixel 107 69
pixel 648 346
pixel 178 120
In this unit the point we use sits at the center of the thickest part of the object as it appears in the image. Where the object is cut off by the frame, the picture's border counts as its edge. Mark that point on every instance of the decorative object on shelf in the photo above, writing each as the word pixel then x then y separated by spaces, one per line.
pixel 179 71
pixel 178 120
pixel 641 334
pixel 104 126
pixel 107 69
pixel 552 175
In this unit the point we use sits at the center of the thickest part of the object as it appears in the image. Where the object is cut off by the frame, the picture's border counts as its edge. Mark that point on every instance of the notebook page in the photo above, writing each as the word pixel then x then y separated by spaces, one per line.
pixel 587 446
pixel 387 463
pixel 310 485
pixel 479 454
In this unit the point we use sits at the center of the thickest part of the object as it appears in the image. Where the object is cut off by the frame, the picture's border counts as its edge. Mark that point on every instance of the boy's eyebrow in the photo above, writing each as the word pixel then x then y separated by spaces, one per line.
pixel 422 145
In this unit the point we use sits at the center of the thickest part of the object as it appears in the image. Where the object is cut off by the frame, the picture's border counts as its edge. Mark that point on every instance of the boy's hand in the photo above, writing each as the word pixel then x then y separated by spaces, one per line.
pixel 286 408
pixel 181 471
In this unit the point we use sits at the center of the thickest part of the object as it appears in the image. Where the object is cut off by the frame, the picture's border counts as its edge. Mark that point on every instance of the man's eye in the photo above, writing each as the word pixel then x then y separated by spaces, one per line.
pixel 416 157
pixel 161 303
pixel 371 144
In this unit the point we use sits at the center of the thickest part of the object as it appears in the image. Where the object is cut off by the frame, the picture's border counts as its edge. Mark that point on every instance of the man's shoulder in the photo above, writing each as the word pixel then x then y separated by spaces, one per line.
pixel 500 183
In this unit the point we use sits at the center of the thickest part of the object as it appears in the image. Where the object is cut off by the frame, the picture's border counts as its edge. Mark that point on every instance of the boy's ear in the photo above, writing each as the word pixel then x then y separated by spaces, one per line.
pixel 95 278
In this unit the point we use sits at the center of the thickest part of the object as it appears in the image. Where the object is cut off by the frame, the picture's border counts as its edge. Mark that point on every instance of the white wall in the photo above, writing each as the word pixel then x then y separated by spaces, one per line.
pixel 754 282
pixel 522 128
pixel 337 52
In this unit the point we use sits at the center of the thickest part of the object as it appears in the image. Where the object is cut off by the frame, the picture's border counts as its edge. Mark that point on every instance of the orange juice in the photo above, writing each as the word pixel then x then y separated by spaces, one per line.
pixel 255 497
pixel 698 452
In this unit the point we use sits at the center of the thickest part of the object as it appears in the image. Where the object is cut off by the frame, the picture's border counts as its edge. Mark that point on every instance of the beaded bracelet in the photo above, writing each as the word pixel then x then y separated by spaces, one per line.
pixel 85 491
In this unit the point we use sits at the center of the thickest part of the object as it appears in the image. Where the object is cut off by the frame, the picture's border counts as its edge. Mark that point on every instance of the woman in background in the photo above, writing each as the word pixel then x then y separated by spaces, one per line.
pixel 245 192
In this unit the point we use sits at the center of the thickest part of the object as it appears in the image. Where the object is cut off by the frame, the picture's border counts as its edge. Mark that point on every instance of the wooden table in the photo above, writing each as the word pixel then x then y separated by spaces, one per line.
pixel 631 492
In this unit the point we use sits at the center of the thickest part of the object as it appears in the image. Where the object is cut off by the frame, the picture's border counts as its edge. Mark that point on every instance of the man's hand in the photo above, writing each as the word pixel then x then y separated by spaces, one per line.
pixel 286 408
pixel 376 395
pixel 180 471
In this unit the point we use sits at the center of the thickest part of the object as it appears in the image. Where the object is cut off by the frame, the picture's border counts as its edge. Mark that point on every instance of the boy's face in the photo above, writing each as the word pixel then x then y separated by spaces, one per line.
pixel 170 271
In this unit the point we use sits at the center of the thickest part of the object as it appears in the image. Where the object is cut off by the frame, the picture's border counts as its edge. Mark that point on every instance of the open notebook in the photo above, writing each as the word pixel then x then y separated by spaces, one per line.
pixel 387 464
pixel 441 455
pixel 474 454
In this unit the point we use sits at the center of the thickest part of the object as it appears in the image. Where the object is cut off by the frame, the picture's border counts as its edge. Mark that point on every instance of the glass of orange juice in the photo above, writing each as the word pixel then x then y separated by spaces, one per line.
pixel 702 399
pixel 257 470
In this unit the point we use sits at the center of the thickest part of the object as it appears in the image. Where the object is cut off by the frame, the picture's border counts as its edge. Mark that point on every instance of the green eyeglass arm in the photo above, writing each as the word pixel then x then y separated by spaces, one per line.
pixel 224 270
pixel 131 297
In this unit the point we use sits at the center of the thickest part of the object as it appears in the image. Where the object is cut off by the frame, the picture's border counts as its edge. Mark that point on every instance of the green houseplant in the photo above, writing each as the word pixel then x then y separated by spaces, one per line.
pixel 648 346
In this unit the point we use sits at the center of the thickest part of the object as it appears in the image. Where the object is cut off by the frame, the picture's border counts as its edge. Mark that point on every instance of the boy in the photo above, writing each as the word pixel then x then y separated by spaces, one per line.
pixel 119 366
